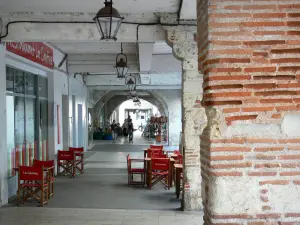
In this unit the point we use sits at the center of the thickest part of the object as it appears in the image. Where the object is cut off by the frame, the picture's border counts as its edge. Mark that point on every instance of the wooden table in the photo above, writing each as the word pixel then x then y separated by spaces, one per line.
pixel 178 172
pixel 148 171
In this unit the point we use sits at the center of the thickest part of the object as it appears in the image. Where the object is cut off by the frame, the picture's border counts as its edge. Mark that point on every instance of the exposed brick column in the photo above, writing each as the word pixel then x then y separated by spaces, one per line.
pixel 249 53
pixel 194 117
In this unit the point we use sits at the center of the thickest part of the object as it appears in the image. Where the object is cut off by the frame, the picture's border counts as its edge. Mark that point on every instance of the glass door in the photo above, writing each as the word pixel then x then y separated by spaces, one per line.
pixel 19 157
pixel 30 137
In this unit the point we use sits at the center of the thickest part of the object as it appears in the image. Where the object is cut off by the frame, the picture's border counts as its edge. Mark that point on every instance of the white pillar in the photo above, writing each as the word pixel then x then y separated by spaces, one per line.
pixel 193 114
pixel 3 144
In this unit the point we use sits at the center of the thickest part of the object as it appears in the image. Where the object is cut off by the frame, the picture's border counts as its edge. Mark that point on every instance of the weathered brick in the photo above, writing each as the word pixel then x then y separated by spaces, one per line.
pixel 278 77
pixel 290 174
pixel 261 174
pixel 264 54
pixel 287 157
pixel 274 182
pixel 270 42
pixel 226 174
pixel 267 165
pixel 269 15
pixel 231 110
pixel 293 23
pixel 227 157
pixel 276 100
pixel 296 182
pixel 265 157
pixel 219 78
pixel 266 208
pixel 219 87
pixel 233 165
pixel 260 69
pixel 231 149
pixel 294 147
pixel 289 165
pixel 285 51
pixel 212 103
pixel 260 86
pixel 267 216
pixel 232 216
pixel 290 85
pixel 258 109
pixel 275 93
pixel 289 68
pixel 288 108
pixel 227 94
pixel 284 141
pixel 235 118
pixel 292 215
pixel 261 140
pixel 268 149
pixel 259 7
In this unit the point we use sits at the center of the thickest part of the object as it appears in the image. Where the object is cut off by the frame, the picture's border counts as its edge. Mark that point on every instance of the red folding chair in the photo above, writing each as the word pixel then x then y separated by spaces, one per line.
pixel 50 166
pixel 66 162
pixel 155 154
pixel 135 171
pixel 160 171
pixel 33 183
pixel 79 157
pixel 156 147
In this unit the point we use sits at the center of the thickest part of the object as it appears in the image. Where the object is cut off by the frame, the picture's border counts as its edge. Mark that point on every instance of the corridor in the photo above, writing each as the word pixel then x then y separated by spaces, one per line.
pixel 104 184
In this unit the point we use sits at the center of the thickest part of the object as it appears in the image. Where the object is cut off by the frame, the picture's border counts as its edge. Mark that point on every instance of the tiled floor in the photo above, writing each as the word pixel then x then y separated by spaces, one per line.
pixel 101 196
pixel 58 216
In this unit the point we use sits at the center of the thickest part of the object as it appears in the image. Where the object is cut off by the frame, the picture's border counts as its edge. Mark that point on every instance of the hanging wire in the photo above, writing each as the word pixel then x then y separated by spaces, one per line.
pixel 122 47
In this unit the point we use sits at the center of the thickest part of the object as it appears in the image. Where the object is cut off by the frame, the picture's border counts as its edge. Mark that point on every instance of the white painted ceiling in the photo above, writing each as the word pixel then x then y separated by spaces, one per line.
pixel 159 47
pixel 124 6
pixel 95 47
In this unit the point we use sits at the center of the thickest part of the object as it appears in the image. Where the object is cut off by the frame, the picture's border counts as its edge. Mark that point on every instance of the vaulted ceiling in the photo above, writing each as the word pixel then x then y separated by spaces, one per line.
pixel 145 46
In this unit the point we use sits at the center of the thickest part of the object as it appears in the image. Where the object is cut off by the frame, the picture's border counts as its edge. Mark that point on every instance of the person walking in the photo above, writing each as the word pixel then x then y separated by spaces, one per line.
pixel 130 131
pixel 114 131
pixel 125 127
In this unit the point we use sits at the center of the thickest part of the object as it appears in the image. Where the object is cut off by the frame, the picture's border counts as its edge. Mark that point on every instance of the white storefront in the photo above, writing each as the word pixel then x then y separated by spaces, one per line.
pixel 42 109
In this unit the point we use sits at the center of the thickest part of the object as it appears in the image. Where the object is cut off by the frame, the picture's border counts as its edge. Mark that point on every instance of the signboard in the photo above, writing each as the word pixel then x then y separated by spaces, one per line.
pixel 37 52
pixel 145 78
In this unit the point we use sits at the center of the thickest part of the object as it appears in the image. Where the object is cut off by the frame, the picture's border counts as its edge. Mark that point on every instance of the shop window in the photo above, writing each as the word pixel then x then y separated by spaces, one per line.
pixel 9 79
pixel 19 83
pixel 43 87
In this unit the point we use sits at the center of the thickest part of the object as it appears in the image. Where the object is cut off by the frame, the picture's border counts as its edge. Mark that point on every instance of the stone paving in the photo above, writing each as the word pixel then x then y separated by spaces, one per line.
pixel 59 216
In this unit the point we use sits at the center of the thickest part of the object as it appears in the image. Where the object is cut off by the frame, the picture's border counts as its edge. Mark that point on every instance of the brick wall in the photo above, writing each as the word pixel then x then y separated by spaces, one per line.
pixel 249 53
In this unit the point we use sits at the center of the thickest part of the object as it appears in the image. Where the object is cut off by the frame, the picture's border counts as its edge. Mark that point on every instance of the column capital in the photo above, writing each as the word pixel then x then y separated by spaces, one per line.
pixel 182 40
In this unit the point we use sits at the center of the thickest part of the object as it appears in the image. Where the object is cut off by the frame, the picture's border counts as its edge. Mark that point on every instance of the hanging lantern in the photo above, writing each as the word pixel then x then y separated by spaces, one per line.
pixel 121 64
pixel 130 81
pixel 108 21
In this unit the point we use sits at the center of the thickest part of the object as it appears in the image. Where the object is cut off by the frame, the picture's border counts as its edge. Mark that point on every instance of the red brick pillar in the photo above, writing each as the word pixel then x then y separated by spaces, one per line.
pixel 249 53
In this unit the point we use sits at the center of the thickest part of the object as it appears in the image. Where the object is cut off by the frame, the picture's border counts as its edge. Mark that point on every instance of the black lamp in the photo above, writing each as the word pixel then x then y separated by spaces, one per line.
pixel 108 21
pixel 130 81
pixel 121 64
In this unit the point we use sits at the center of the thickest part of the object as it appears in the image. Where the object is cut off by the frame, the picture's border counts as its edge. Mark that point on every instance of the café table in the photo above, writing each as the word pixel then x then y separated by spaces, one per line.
pixel 178 172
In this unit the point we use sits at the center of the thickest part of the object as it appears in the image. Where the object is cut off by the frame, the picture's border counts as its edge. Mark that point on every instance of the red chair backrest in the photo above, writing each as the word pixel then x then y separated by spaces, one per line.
pixel 156 147
pixel 72 149
pixel 176 152
pixel 65 155
pixel 154 153
pixel 31 173
pixel 160 163
pixel 45 164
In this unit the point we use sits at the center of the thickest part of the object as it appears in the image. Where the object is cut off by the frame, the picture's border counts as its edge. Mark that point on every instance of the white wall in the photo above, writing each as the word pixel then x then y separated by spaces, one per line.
pixel 68 85
pixel 130 105
pixel 173 100
pixel 3 147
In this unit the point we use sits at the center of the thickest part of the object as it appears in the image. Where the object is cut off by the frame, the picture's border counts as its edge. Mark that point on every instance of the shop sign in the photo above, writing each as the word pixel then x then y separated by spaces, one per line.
pixel 37 52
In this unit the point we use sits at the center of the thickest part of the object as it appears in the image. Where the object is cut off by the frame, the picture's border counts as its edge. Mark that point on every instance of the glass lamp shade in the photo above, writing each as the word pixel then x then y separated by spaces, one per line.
pixel 121 66
pixel 108 21
pixel 131 82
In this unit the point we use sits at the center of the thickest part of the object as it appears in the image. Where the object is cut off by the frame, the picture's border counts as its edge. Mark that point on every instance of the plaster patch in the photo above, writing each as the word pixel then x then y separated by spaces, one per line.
pixel 253 130
pixel 291 125
pixel 234 195
pixel 284 198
